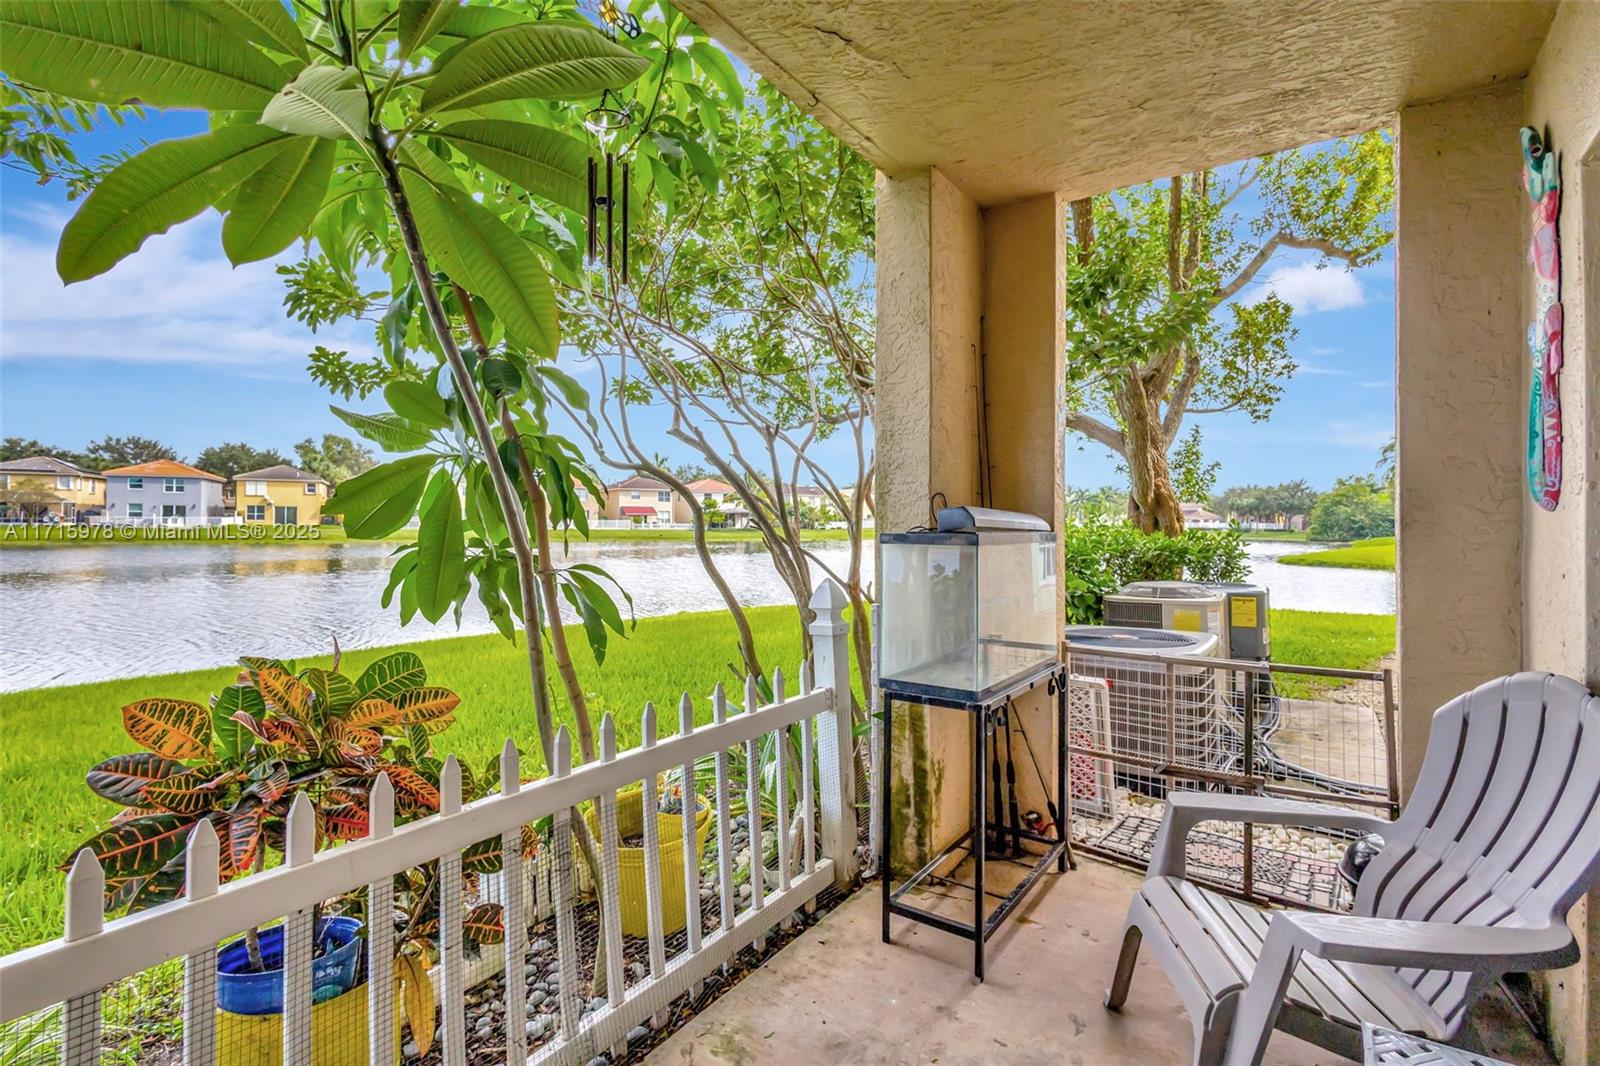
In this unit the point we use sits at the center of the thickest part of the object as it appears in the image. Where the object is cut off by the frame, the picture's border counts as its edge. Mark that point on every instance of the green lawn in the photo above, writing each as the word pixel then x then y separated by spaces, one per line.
pixel 1374 553
pixel 50 737
pixel 1275 534
pixel 67 536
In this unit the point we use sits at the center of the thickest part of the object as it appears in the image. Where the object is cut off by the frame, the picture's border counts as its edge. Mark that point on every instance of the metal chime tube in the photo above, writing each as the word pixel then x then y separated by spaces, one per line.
pixel 610 200
pixel 625 199
pixel 592 219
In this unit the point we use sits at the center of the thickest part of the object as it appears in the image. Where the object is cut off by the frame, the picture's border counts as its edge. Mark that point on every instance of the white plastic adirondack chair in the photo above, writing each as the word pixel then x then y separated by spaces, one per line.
pixel 1499 838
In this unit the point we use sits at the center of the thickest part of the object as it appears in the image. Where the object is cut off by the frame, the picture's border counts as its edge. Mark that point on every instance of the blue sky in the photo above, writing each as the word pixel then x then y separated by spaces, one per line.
pixel 175 343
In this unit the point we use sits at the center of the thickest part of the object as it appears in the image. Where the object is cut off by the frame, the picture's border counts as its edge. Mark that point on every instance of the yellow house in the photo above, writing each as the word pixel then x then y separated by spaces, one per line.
pixel 280 495
pixel 42 488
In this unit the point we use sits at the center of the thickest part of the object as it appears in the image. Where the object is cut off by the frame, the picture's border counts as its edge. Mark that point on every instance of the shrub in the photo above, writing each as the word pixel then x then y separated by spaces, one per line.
pixel 1354 509
pixel 1100 559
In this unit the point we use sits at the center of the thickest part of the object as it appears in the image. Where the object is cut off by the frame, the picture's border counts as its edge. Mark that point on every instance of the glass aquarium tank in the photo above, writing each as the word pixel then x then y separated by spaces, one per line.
pixel 964 614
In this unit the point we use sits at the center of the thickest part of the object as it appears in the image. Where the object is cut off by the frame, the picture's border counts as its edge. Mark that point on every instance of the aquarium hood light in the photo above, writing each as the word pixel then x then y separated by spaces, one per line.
pixel 974 519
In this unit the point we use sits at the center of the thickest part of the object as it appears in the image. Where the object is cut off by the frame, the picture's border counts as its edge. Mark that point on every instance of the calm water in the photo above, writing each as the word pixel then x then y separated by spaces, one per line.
pixel 92 614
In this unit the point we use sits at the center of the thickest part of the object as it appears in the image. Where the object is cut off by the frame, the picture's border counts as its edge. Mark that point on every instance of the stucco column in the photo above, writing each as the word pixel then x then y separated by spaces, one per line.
pixel 962 291
pixel 1459 409
pixel 1024 339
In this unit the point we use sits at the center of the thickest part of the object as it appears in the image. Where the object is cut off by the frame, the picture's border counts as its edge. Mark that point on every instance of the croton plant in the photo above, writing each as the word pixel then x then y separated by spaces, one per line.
pixel 241 760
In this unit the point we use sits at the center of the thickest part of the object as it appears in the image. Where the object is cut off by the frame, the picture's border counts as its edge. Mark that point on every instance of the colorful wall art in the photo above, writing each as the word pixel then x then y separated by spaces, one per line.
pixel 1544 332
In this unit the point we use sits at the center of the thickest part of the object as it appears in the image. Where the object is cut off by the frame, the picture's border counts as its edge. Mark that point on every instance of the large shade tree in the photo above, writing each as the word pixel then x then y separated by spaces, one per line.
pixel 1155 328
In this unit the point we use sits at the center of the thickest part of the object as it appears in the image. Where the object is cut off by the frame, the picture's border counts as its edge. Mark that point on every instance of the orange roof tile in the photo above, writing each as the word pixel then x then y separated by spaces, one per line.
pixel 163 468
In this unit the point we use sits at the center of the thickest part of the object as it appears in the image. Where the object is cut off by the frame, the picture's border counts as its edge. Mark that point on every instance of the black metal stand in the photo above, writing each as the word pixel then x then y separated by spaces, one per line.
pixel 989 711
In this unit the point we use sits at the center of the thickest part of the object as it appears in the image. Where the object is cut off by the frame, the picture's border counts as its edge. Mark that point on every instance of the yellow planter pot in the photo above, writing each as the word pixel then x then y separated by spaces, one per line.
pixel 338 1035
pixel 630 861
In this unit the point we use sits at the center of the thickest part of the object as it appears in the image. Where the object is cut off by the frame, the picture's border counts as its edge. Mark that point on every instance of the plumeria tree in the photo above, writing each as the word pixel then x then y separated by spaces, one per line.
pixel 444 149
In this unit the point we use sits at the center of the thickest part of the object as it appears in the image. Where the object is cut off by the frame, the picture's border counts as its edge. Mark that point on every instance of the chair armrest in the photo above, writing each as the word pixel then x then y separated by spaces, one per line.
pixel 1185 810
pixel 1431 945
pixel 1485 951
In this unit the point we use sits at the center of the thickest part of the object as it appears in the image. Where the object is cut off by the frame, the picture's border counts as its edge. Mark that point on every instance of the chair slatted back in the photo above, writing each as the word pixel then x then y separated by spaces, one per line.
pixel 1503 827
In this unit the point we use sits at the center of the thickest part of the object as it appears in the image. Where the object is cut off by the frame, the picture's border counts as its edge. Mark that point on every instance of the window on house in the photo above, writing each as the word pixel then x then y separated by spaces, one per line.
pixel 135 510
pixel 664 497
pixel 255 488
pixel 174 510
pixel 136 482
pixel 172 484
pixel 255 512
pixel 63 482
pixel 633 495
pixel 311 488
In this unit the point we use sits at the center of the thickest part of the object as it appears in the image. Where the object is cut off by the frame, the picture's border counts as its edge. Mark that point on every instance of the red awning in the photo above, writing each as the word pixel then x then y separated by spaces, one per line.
pixel 645 511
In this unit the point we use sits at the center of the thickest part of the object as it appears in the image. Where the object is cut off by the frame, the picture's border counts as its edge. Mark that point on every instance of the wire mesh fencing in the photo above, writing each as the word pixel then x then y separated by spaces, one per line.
pixel 1140 725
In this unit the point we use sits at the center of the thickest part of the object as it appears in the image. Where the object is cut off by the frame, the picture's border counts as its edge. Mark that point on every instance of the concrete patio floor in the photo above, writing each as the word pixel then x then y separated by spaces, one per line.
pixel 840 995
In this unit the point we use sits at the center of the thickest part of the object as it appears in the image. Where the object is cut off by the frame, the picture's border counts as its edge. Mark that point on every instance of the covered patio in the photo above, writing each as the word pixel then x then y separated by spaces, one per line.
pixel 838 994
pixel 984 125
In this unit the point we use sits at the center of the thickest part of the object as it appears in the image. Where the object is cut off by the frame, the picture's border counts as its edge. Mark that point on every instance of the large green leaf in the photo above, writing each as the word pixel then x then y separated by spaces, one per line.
pixel 548 162
pixel 391 675
pixel 483 255
pixel 163 185
pixel 389 431
pixel 161 53
pixel 277 203
pixel 441 549
pixel 533 60
pixel 383 499
pixel 720 69
pixel 417 402
pixel 266 22
pixel 322 101
pixel 421 19
pixel 230 738
pixel 122 778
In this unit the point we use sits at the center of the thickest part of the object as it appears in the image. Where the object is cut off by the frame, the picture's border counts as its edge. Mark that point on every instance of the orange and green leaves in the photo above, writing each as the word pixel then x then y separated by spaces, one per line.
pixel 122 778
pixel 413 793
pixel 431 703
pixel 192 792
pixel 373 713
pixel 485 924
pixel 285 694
pixel 176 729
pixel 138 847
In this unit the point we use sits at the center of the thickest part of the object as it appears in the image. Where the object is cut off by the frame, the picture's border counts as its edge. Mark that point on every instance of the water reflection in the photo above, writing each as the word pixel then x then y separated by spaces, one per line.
pixel 91 614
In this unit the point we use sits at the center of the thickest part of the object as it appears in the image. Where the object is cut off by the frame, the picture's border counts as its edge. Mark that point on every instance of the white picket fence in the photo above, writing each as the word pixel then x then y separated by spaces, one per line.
pixel 94 954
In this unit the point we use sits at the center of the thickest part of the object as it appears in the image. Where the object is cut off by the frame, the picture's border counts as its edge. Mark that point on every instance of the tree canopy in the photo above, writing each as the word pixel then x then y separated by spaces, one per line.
pixel 1155 323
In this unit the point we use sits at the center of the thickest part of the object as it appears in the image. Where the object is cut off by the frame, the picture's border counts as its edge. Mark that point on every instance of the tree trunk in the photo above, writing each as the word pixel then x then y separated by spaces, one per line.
pixel 1152 503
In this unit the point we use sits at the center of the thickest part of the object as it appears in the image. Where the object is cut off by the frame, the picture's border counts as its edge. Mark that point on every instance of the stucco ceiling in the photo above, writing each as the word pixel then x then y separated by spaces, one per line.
pixel 1011 98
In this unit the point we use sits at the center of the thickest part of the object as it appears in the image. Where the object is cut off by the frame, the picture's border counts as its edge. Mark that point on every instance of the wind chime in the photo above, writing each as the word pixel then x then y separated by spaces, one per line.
pixel 607 122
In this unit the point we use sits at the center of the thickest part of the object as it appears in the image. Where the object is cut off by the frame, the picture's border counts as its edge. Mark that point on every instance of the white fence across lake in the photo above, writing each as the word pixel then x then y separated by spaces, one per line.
pixel 803 740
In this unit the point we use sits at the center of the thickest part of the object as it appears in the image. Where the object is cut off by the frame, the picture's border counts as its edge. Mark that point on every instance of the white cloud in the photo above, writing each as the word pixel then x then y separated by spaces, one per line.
pixel 1375 383
pixel 176 301
pixel 1365 434
pixel 1307 288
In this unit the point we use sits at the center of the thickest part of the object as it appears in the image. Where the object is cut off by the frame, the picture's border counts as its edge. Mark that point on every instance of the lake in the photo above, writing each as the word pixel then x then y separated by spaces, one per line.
pixel 71 615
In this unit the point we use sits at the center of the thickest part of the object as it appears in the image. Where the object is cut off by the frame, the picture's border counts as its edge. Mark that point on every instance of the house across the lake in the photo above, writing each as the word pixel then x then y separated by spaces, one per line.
pixel 281 495
pixel 644 501
pixel 719 495
pixel 42 488
pixel 163 492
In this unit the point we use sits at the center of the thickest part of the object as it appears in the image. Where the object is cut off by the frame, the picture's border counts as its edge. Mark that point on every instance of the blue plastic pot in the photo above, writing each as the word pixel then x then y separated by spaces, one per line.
pixel 240 991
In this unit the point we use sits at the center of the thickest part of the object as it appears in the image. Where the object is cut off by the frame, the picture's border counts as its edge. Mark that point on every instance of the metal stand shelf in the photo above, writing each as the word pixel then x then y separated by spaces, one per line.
pixel 989 711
